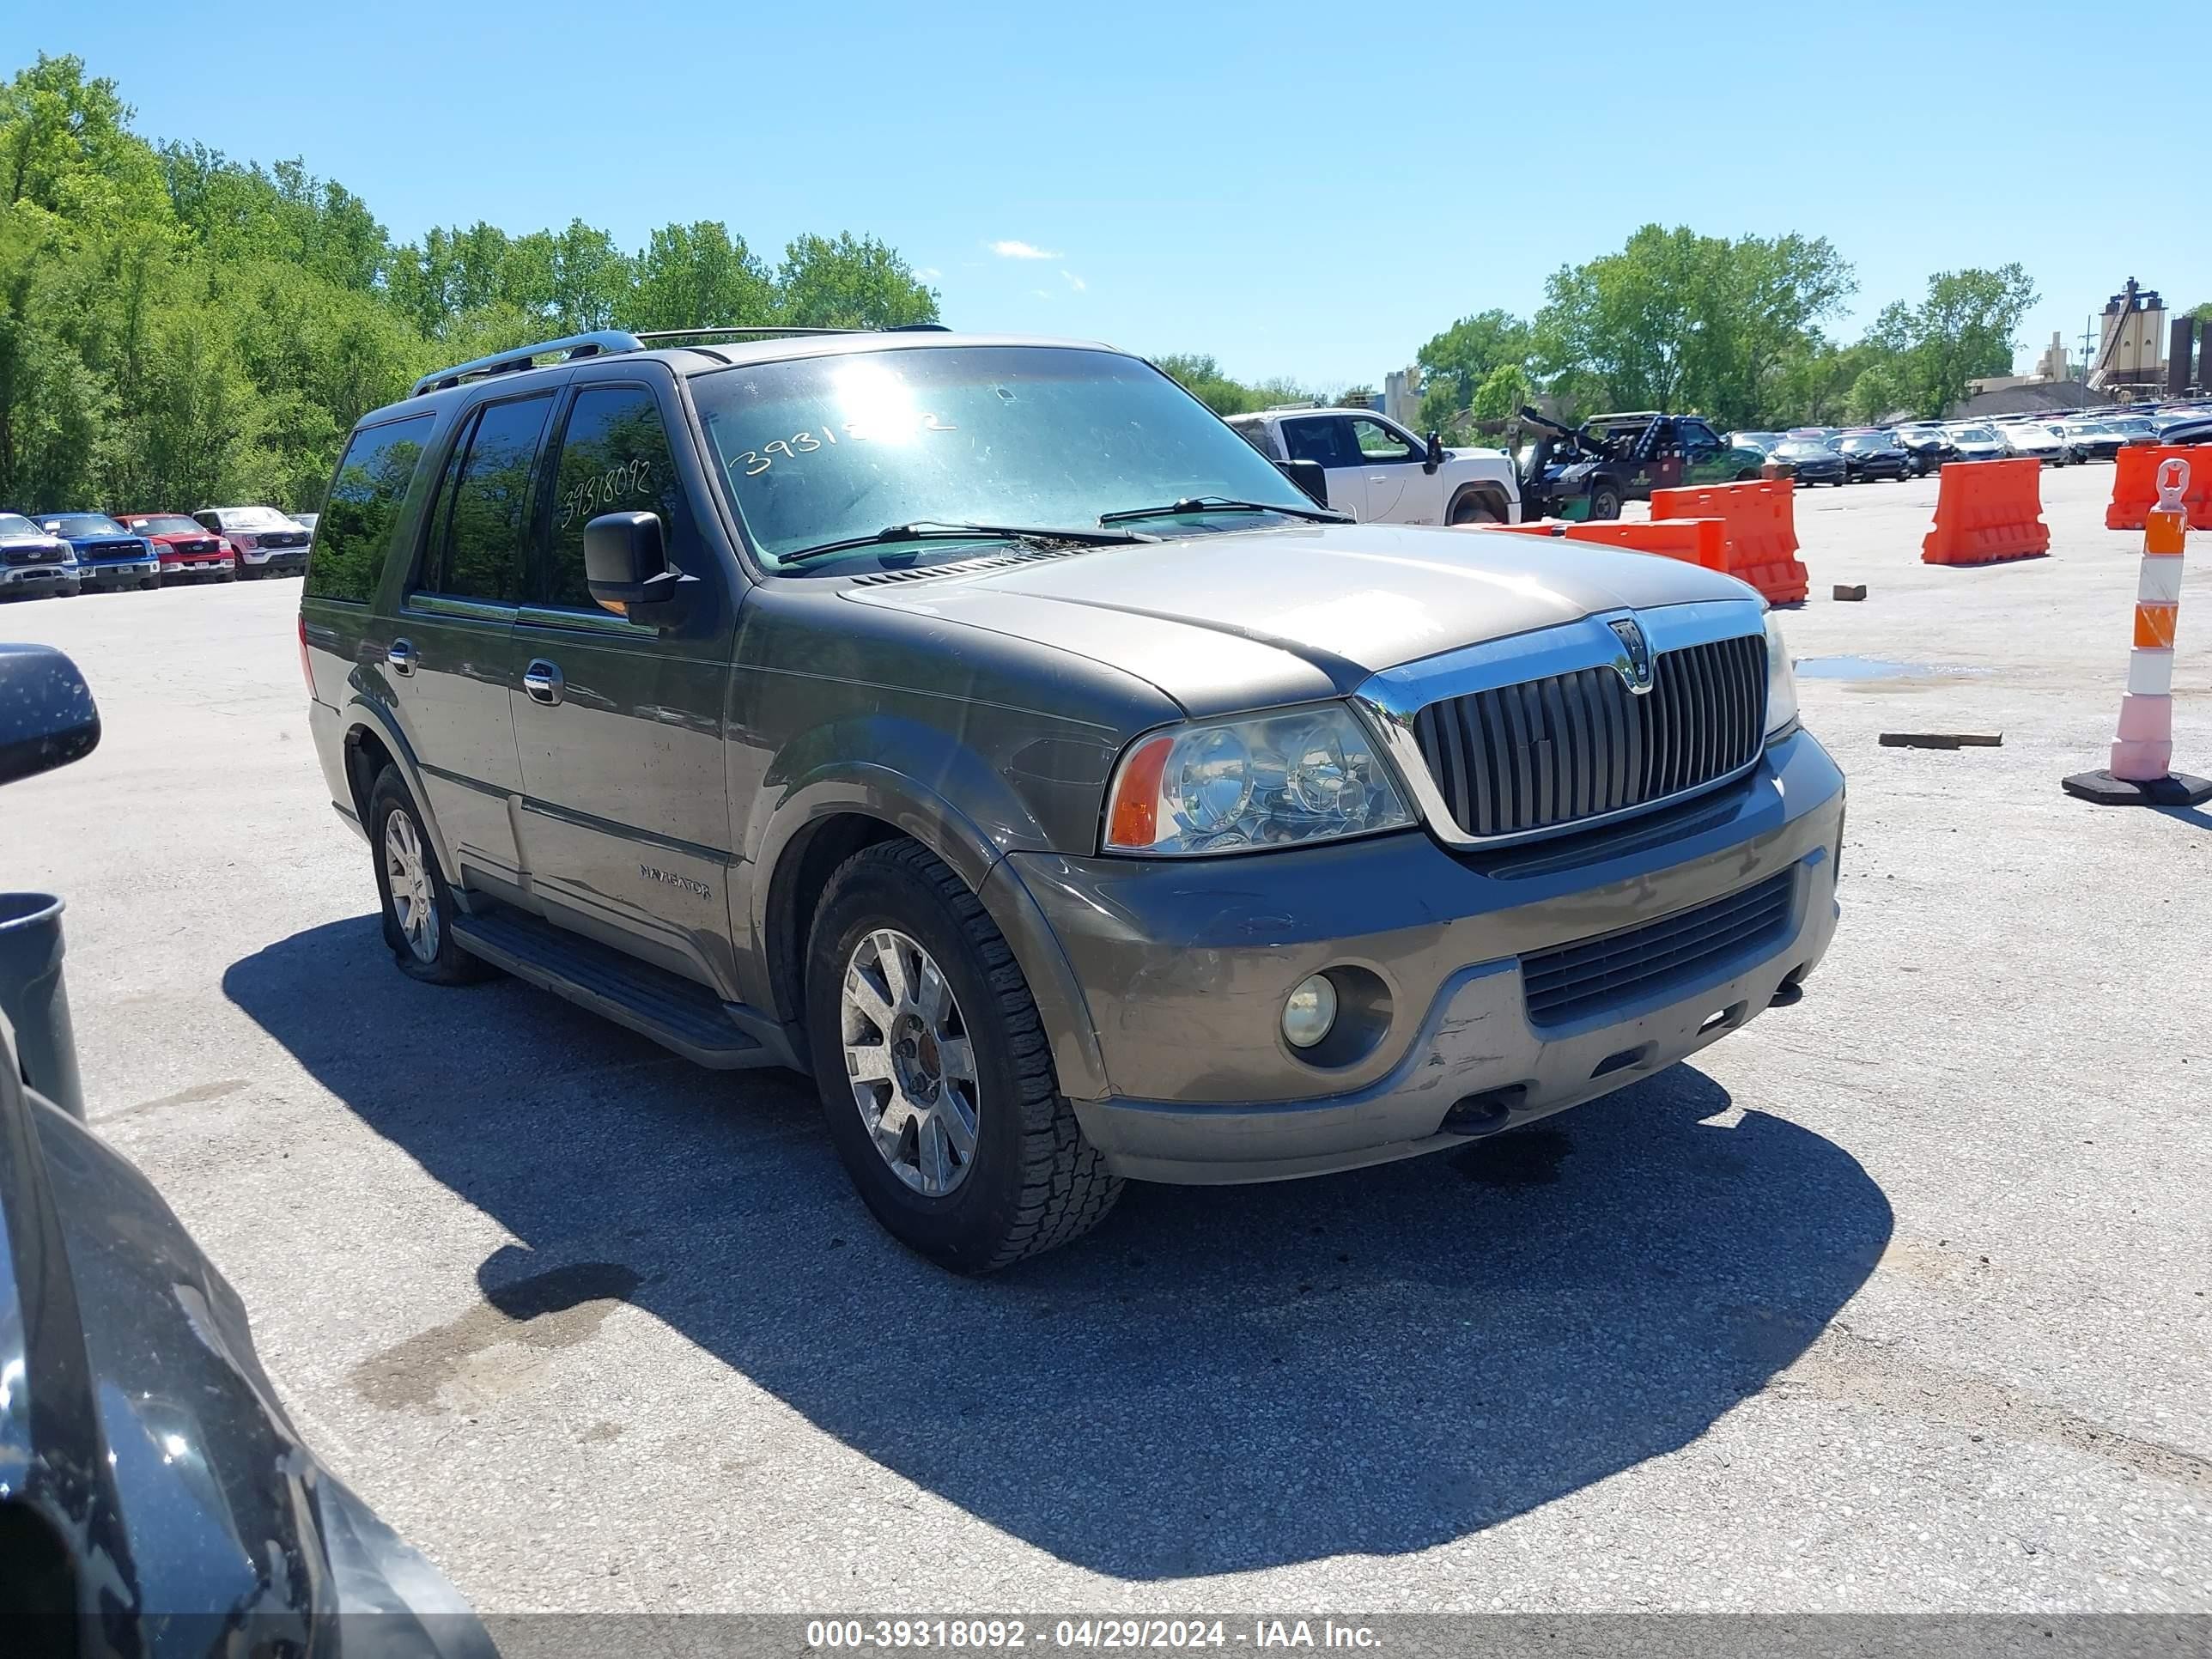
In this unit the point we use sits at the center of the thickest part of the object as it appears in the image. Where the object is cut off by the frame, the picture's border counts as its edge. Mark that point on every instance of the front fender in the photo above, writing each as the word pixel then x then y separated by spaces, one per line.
pixel 926 784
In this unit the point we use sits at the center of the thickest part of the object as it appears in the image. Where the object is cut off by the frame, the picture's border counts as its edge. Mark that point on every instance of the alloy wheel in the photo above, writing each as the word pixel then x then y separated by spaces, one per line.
pixel 414 896
pixel 910 1062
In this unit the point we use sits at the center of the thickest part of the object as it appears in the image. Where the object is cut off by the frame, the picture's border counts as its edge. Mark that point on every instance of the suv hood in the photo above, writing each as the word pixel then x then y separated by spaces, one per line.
pixel 1249 619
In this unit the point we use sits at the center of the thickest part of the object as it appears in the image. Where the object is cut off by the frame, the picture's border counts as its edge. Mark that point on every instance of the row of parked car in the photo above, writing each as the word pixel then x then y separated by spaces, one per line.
pixel 65 553
pixel 1839 455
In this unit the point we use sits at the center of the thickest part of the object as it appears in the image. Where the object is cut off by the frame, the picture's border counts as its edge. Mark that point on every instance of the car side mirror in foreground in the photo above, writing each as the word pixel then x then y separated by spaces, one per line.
pixel 47 718
pixel 1435 455
pixel 626 567
pixel 1308 475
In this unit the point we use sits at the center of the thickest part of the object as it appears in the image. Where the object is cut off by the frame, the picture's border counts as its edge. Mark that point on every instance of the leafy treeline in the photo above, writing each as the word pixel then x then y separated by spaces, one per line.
pixel 1732 329
pixel 178 329
pixel 1675 320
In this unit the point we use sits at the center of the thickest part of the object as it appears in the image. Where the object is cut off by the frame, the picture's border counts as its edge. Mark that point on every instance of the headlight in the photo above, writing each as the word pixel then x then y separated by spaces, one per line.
pixel 1264 781
pixel 1781 681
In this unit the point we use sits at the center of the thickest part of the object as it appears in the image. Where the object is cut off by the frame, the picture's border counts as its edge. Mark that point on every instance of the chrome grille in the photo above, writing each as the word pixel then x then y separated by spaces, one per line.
pixel 1548 753
pixel 1574 980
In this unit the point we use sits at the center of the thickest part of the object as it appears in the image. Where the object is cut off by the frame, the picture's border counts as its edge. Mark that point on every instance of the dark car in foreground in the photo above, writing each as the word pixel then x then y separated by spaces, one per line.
pixel 107 555
pixel 1812 461
pixel 1871 455
pixel 34 562
pixel 187 550
pixel 154 1498
pixel 2197 430
pixel 982 726
pixel 266 542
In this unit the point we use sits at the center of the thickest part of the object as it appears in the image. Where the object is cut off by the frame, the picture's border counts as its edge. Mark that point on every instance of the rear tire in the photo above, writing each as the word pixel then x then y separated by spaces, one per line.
pixel 1027 1181
pixel 418 906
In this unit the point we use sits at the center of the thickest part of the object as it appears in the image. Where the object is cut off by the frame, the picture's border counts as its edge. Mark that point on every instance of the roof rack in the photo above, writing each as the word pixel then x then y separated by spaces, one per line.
pixel 570 347
pixel 607 341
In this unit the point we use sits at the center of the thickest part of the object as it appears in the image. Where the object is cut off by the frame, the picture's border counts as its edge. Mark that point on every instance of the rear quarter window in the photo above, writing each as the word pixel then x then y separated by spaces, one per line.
pixel 355 531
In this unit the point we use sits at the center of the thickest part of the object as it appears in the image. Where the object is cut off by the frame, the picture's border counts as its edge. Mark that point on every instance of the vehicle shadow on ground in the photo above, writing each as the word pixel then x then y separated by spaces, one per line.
pixel 1217 1380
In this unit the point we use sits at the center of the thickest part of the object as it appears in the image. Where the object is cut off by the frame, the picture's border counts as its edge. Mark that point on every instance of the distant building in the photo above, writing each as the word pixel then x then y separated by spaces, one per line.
pixel 2133 351
pixel 1401 395
pixel 2053 365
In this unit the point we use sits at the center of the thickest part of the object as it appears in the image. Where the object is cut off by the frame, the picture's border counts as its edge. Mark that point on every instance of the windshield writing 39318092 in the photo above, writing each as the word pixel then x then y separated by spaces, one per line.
pixel 753 462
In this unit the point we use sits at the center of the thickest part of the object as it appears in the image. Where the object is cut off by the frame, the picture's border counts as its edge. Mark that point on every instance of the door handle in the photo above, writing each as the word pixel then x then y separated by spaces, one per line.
pixel 401 655
pixel 542 680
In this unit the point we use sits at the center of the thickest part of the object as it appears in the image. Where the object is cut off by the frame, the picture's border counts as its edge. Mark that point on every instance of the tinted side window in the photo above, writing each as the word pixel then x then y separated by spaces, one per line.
pixel 614 459
pixel 1256 434
pixel 476 533
pixel 1317 440
pixel 355 530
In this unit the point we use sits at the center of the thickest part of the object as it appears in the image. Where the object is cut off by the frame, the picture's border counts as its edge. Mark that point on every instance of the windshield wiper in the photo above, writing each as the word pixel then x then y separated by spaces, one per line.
pixel 928 530
pixel 1223 504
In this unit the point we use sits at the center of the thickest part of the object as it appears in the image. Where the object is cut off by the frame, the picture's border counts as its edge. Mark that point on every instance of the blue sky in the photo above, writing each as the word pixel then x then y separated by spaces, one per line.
pixel 1308 191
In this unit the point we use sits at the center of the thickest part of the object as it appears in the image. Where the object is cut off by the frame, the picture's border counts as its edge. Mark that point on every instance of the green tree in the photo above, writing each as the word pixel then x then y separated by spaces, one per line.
pixel 698 275
pixel 1962 330
pixel 1679 321
pixel 849 282
pixel 1455 363
pixel 1502 394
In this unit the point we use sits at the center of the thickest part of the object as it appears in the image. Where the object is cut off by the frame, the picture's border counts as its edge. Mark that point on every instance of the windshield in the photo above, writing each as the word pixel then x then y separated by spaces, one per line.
pixel 169 524
pixel 253 518
pixel 1977 435
pixel 819 449
pixel 84 524
pixel 14 524
pixel 1866 441
pixel 1801 448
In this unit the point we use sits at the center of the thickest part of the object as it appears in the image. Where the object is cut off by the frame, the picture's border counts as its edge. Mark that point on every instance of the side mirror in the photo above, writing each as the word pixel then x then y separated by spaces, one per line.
pixel 47 718
pixel 1435 455
pixel 1308 475
pixel 626 567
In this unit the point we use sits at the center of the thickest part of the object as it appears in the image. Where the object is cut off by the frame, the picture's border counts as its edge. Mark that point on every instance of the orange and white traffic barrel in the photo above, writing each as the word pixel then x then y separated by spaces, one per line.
pixel 2141 770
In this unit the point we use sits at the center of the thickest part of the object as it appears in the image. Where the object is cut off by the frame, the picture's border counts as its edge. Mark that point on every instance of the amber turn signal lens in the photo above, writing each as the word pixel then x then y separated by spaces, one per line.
pixel 1133 823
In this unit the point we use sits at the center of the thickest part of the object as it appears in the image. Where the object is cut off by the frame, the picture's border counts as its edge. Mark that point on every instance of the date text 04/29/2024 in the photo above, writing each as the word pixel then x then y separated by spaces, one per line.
pixel 1013 1635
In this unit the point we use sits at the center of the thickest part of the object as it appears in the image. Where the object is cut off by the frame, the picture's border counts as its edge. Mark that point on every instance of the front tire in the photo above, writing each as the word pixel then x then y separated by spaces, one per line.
pixel 418 906
pixel 1476 510
pixel 936 1080
pixel 1605 502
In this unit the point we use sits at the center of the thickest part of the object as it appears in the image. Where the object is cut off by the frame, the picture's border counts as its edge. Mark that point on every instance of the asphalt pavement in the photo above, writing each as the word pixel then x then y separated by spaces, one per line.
pixel 1900 1299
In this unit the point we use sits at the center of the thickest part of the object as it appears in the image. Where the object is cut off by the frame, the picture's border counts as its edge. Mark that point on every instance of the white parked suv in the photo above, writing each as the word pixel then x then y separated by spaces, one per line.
pixel 1380 473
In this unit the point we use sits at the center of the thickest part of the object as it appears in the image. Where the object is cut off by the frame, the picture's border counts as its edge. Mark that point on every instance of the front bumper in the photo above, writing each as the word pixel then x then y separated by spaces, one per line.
pixel 274 558
pixel 1185 967
pixel 196 564
pixel 16 579
pixel 119 573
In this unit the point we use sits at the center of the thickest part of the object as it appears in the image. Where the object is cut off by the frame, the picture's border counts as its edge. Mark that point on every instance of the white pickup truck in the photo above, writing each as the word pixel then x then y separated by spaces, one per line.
pixel 1381 473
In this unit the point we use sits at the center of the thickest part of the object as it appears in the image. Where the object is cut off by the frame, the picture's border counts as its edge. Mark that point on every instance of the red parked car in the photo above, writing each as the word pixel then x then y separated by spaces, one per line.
pixel 185 548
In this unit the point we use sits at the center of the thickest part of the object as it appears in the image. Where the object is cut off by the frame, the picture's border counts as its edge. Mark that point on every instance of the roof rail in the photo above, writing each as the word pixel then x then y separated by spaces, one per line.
pixel 778 331
pixel 602 343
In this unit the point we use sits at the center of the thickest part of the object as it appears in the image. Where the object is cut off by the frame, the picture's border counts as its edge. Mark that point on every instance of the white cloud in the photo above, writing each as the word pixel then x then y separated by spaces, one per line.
pixel 928 273
pixel 1010 250
pixel 1042 293
pixel 1075 281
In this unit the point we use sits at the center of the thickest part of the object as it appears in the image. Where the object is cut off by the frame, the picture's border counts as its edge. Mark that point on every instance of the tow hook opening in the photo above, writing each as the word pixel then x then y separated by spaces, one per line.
pixel 1789 992
pixel 1485 1114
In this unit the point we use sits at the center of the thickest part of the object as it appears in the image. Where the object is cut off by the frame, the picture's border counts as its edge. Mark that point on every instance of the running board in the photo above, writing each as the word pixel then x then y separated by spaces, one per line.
pixel 674 1012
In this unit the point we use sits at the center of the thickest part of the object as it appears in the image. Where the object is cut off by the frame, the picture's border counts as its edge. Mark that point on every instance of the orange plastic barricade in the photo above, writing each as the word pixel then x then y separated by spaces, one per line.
pixel 1988 511
pixel 1693 541
pixel 2135 483
pixel 1759 533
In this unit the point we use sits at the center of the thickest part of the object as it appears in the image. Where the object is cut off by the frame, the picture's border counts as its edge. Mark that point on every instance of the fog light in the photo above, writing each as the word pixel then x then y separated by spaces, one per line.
pixel 1309 1012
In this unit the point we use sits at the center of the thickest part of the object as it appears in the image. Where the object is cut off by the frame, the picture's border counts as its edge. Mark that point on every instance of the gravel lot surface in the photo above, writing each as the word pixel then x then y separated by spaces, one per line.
pixel 1898 1300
